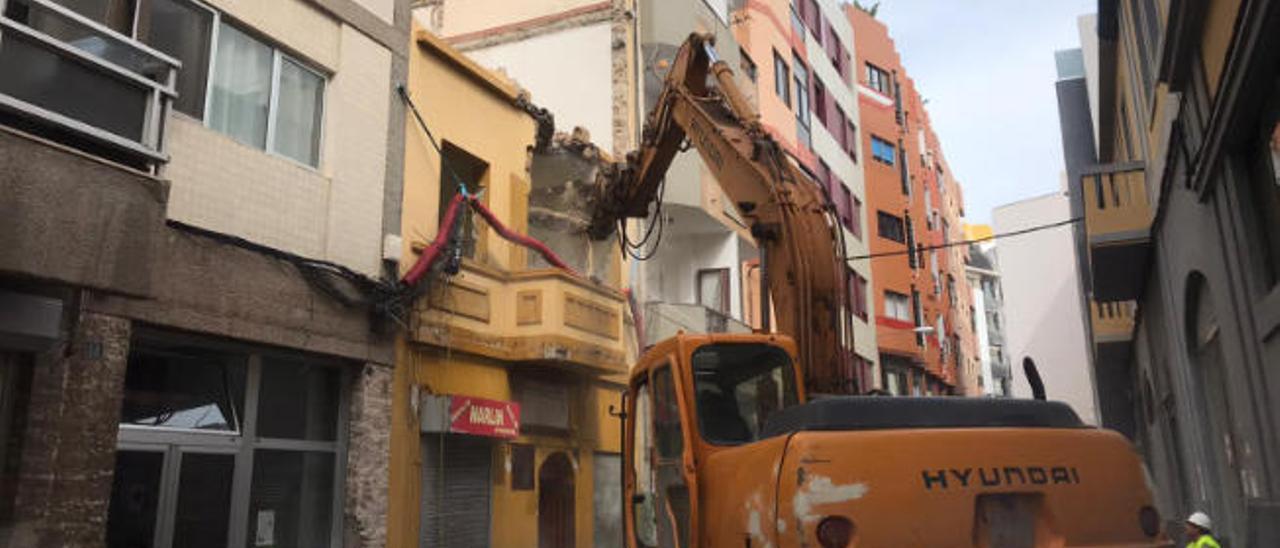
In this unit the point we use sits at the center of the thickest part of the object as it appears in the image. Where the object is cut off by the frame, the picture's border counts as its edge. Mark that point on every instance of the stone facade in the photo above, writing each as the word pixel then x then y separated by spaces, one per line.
pixel 69 439
pixel 368 457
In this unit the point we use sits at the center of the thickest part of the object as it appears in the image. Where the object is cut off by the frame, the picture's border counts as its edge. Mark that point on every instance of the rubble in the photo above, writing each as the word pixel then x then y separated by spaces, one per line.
pixel 563 178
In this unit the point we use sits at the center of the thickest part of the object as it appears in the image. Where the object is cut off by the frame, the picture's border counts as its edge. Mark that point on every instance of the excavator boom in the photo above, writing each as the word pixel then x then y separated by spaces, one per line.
pixel 789 214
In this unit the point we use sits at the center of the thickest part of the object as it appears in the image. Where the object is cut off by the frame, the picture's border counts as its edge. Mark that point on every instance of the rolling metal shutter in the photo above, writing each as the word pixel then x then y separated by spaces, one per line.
pixel 455 496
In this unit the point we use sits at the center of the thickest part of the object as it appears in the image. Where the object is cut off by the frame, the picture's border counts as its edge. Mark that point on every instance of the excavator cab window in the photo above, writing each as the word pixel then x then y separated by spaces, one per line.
pixel 738 386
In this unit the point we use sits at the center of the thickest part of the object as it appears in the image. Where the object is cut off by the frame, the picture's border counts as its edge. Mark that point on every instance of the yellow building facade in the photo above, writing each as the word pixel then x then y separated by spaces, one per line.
pixel 501 428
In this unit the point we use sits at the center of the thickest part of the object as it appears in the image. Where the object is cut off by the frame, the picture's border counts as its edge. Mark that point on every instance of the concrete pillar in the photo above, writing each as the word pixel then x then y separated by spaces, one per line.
pixel 368 457
pixel 69 440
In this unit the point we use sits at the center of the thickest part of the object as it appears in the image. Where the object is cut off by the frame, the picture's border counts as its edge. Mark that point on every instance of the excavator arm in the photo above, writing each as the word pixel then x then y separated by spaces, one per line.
pixel 790 216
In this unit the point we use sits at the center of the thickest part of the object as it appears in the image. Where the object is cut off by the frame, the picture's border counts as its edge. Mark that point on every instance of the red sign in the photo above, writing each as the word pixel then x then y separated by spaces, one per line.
pixel 481 417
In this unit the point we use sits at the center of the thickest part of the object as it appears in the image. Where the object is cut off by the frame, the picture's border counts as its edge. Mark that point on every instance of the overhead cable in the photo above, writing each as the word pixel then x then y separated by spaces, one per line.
pixel 1019 232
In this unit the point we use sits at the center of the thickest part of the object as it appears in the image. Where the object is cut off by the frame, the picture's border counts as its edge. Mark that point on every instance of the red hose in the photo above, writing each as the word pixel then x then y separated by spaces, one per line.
pixel 521 239
pixel 432 252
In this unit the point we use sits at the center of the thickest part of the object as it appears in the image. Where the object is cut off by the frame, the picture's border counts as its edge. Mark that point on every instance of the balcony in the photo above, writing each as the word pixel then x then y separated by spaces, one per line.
pixel 1117 220
pixel 1112 321
pixel 73 80
pixel 537 316
pixel 662 320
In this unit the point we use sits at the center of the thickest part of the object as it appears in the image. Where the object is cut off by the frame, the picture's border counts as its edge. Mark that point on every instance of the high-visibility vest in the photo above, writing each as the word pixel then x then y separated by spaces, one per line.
pixel 1205 541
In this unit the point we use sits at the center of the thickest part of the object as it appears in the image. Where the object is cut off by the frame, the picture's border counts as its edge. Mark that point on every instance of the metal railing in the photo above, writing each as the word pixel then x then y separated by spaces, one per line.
pixel 65 72
pixel 663 320
pixel 1115 200
pixel 1112 320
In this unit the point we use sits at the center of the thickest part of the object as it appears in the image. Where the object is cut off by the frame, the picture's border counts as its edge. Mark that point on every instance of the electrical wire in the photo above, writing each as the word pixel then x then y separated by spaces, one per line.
pixel 1019 232
pixel 404 96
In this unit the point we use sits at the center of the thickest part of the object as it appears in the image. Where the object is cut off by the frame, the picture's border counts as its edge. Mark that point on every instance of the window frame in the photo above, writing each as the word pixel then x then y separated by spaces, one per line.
pixel 245 442
pixel 878 79
pixel 278 54
pixel 781 79
pixel 897 306
pixel 882 217
pixel 878 149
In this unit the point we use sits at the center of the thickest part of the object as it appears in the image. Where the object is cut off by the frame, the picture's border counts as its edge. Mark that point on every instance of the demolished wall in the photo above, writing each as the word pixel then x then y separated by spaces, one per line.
pixel 563 178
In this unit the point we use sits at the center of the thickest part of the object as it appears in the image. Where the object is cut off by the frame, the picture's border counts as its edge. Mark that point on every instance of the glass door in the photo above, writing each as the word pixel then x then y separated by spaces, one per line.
pixel 170 495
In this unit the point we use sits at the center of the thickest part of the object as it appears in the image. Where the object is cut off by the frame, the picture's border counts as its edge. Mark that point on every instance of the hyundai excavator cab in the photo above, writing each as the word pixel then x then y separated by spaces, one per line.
pixel 722 450
pixel 723 446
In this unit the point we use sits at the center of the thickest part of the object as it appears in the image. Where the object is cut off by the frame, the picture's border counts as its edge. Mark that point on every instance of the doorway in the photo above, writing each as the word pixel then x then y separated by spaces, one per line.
pixel 171 495
pixel 556 502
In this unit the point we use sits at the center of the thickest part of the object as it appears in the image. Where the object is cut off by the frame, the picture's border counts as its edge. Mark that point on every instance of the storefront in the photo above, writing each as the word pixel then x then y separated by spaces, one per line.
pixel 219 440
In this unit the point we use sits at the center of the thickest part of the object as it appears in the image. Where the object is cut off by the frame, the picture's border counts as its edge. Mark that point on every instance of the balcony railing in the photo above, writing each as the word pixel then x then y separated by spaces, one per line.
pixel 663 320
pixel 1115 201
pixel 1117 218
pixel 66 76
pixel 1112 321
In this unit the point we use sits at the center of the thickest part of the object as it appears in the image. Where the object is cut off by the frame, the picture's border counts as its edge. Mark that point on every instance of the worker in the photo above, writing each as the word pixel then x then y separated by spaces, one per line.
pixel 1198 529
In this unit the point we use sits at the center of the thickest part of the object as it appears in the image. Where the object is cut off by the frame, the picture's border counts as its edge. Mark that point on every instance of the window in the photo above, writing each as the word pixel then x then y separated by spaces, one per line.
pixel 882 151
pixel 912 259
pixel 781 79
pixel 713 289
pixel 738 387
pixel 672 502
pixel 747 65
pixel 897 306
pixel 802 101
pixel 857 294
pixel 813 18
pixel 837 127
pixel 851 140
pixel 642 467
pixel 833 46
pixel 219 417
pixel 846 207
pixel 856 213
pixel 266 99
pixel 797 23
pixel 917 315
pixel 458 166
pixel 891 227
pixel 878 79
pixel 820 102
pixel 184 31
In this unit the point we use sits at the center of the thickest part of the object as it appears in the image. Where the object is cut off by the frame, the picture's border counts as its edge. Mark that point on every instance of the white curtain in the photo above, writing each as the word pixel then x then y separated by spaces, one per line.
pixel 241 87
pixel 297 132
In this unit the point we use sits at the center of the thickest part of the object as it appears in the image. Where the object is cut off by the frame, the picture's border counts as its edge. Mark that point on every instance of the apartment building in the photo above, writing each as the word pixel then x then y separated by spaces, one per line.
pixel 801 75
pixel 913 200
pixel 1171 133
pixel 194 198
pixel 986 313
pixel 501 432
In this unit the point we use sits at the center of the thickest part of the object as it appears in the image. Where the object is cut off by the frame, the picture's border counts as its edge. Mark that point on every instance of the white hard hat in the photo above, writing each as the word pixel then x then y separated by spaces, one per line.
pixel 1201 520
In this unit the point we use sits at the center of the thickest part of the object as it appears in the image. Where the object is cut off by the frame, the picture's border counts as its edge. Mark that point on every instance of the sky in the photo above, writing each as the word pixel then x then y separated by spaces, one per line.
pixel 986 69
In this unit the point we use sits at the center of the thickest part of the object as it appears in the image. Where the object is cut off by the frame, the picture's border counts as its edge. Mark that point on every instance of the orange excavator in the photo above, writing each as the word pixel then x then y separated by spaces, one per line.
pixel 722 447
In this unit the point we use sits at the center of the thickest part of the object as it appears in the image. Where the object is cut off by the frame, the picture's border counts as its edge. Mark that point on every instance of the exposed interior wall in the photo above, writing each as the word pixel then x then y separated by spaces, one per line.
pixel 562 183
pixel 465 17
pixel 541 64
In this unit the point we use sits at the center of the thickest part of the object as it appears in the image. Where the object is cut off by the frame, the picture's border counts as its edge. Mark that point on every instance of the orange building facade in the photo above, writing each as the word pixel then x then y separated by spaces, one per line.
pixel 914 208
pixel 799 56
